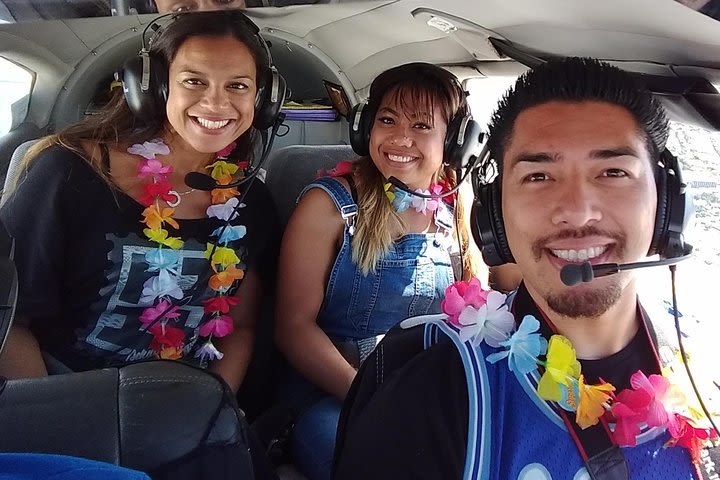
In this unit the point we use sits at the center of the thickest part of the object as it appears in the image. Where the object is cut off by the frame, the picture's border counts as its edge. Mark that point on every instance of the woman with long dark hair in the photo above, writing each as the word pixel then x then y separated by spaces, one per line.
pixel 118 259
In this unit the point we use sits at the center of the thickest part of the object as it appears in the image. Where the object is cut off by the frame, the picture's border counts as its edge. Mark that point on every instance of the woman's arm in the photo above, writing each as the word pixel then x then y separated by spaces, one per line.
pixel 21 356
pixel 237 347
pixel 308 250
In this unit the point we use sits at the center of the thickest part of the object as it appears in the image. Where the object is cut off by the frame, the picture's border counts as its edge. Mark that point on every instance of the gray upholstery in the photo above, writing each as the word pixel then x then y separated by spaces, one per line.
pixel 13 171
pixel 302 132
pixel 290 169
pixel 141 416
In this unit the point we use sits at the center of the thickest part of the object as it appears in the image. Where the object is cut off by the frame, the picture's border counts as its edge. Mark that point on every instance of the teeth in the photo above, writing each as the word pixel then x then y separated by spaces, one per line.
pixel 212 125
pixel 579 255
pixel 400 159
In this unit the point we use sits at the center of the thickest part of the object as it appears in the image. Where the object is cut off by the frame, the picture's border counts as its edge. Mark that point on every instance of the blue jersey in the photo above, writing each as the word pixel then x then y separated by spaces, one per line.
pixel 514 434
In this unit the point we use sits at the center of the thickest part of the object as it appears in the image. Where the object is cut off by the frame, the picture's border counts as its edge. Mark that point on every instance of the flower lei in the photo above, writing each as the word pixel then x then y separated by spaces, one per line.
pixel 158 291
pixel 402 200
pixel 483 315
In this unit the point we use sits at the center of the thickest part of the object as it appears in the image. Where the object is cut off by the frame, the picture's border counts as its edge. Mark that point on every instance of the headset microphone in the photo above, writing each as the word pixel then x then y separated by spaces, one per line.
pixel 201 181
pixel 472 163
pixel 576 273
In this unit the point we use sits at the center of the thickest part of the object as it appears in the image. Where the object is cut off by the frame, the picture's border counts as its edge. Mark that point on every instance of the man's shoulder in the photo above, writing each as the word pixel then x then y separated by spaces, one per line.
pixel 406 365
pixel 407 413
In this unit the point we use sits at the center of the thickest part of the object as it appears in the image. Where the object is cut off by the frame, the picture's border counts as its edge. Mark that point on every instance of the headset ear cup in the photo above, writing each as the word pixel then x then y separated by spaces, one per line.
pixel 450 149
pixel 159 75
pixel 463 140
pixel 360 125
pixel 488 228
pixel 674 210
pixel 150 103
pixel 270 100
pixel 659 239
pixel 499 224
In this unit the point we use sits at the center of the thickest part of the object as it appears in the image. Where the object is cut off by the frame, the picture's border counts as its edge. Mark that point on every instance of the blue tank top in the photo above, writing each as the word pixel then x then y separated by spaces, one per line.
pixel 410 280
pixel 513 433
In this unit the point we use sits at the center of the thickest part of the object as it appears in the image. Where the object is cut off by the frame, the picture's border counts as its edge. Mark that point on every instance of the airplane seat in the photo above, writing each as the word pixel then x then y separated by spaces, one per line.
pixel 10 141
pixel 15 168
pixel 291 168
pixel 159 417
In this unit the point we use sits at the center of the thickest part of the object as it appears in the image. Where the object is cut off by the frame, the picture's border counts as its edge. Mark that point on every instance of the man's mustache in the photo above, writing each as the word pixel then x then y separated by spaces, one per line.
pixel 539 245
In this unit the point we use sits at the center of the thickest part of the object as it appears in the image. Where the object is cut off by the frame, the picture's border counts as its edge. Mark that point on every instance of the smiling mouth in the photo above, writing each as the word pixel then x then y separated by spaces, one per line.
pixel 580 255
pixel 211 124
pixel 400 158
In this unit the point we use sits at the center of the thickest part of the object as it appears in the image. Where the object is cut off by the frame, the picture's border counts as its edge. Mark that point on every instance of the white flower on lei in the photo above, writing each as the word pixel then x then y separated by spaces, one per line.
pixel 492 322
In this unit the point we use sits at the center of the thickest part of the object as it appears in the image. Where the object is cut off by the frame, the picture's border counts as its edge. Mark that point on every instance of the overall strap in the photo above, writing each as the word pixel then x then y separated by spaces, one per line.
pixel 344 202
pixel 477 455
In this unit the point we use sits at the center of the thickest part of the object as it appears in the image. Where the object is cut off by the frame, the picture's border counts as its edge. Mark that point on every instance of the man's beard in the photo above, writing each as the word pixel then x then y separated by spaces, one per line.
pixel 592 303
pixel 584 303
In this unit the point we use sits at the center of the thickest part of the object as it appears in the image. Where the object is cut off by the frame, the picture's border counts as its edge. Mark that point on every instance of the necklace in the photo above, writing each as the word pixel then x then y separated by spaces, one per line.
pixel 160 291
pixel 483 316
pixel 178 197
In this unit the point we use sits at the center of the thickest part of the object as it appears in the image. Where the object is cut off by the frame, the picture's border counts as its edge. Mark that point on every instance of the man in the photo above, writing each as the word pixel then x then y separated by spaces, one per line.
pixel 577 147
pixel 168 6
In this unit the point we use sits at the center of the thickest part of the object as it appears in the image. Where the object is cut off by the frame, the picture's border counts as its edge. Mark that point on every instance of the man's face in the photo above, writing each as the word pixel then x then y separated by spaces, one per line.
pixel 577 186
pixel 168 6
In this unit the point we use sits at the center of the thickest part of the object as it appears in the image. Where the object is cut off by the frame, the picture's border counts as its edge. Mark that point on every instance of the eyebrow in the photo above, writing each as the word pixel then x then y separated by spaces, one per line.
pixel 200 74
pixel 599 154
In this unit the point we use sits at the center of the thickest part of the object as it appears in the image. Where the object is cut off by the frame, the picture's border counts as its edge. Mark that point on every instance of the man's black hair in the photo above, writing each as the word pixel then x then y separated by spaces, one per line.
pixel 575 79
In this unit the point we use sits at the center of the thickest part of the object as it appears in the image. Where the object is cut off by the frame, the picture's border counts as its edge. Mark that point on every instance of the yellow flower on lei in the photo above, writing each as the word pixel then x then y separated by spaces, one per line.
pixel 223 256
pixel 561 367
pixel 221 168
pixel 389 193
pixel 161 236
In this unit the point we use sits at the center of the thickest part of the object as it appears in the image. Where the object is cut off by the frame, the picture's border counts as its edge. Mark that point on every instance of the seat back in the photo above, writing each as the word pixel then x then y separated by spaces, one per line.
pixel 292 168
pixel 15 169
pixel 144 416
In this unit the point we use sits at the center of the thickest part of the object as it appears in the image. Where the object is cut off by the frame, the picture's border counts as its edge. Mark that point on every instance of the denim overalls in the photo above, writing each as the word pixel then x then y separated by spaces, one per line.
pixel 410 280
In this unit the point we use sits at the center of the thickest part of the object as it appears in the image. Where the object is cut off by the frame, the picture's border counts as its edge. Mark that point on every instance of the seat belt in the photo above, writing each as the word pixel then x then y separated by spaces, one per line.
pixel 8 284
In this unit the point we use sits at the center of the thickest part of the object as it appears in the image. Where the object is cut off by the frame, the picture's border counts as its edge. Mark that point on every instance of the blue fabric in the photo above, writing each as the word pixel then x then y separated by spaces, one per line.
pixel 536 445
pixel 313 442
pixel 35 466
pixel 410 280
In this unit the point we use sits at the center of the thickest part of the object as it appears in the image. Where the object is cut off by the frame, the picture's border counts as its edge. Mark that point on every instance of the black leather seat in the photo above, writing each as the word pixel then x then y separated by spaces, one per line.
pixel 143 416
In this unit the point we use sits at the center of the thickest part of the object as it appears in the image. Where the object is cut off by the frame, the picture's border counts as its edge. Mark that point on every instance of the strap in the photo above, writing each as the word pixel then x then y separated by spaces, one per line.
pixel 603 459
pixel 344 202
pixel 477 454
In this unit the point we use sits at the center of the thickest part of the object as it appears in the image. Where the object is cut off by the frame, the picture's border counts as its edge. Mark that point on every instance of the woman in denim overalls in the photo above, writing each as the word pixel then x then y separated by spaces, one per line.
pixel 359 256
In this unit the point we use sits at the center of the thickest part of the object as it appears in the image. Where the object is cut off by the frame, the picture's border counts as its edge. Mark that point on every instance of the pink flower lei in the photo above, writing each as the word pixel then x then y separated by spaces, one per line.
pixel 159 291
pixel 483 315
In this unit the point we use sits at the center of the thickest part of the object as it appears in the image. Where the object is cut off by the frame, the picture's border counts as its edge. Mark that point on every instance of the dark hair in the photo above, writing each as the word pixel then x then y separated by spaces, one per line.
pixel 115 123
pixel 576 79
pixel 420 83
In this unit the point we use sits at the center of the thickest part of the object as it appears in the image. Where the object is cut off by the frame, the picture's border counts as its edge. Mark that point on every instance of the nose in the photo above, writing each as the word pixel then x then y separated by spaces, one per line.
pixel 402 137
pixel 576 205
pixel 216 98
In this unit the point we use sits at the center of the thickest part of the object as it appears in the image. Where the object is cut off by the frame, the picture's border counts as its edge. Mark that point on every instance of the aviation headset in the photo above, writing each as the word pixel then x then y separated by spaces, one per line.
pixel 462 141
pixel 674 209
pixel 145 78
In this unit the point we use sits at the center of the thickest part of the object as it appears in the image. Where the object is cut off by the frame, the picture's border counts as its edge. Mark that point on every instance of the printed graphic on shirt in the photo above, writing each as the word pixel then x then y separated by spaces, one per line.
pixel 118 334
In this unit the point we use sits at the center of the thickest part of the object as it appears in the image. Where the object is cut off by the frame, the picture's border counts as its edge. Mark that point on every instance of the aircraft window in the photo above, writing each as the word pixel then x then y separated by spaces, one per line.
pixel 699 154
pixel 15 85
pixel 485 92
